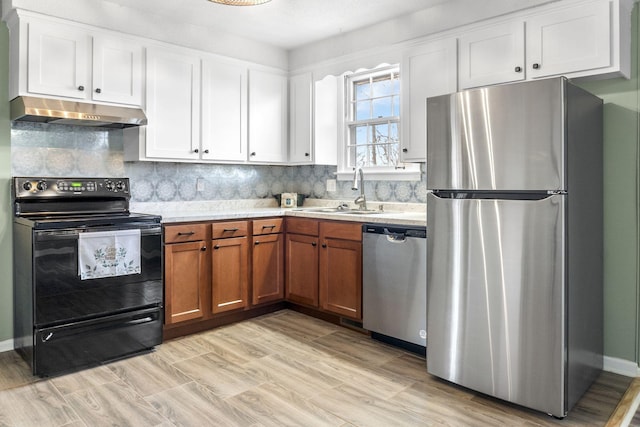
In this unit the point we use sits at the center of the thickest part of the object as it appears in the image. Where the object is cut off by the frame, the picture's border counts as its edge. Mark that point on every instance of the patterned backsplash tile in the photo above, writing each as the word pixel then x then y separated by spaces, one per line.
pixel 62 150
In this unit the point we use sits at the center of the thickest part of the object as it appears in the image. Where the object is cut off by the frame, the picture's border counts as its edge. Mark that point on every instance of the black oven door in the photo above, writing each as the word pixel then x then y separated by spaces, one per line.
pixel 62 297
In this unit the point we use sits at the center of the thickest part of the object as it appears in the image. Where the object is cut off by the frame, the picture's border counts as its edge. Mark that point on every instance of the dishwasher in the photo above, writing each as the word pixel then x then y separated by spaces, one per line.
pixel 394 284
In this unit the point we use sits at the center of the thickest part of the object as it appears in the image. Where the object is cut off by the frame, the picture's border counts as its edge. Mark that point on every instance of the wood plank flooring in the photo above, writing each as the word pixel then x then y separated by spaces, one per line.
pixel 280 369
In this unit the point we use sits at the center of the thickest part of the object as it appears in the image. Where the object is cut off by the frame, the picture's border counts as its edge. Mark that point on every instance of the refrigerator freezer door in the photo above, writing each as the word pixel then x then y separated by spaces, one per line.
pixel 505 138
pixel 495 297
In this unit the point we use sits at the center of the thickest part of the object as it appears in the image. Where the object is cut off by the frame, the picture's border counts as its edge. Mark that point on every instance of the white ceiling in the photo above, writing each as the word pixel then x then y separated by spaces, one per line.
pixel 283 23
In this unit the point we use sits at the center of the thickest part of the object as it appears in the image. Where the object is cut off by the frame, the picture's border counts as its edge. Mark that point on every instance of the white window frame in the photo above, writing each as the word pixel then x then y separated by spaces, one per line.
pixel 400 172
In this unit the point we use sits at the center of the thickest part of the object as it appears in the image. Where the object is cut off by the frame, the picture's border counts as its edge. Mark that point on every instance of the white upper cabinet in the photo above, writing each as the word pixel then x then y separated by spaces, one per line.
pixel 64 61
pixel 326 121
pixel 428 69
pixel 58 61
pixel 569 40
pixel 491 55
pixel 117 70
pixel 267 116
pixel 578 39
pixel 300 119
pixel 224 111
pixel 173 105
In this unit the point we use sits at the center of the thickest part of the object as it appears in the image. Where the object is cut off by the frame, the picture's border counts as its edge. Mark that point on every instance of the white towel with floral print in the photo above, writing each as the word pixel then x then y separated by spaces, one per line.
pixel 108 253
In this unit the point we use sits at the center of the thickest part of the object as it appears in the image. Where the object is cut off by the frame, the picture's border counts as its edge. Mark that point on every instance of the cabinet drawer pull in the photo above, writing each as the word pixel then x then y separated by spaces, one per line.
pixel 230 230
pixel 536 66
pixel 314 244
pixel 518 69
pixel 186 233
pixel 257 242
pixel 204 248
pixel 98 90
pixel 80 88
pixel 268 226
pixel 324 245
pixel 216 247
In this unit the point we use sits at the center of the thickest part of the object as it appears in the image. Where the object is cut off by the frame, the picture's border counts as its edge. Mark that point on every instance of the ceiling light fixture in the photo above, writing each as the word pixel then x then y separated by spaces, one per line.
pixel 240 2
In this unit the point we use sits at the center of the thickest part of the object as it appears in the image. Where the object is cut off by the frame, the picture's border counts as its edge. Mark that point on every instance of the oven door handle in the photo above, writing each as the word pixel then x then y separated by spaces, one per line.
pixel 67 234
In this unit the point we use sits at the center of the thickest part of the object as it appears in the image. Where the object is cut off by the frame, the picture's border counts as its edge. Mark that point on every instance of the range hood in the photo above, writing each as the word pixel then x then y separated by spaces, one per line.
pixel 44 110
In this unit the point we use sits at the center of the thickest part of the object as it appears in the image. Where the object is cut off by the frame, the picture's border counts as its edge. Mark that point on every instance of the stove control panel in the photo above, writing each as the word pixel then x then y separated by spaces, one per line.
pixel 70 187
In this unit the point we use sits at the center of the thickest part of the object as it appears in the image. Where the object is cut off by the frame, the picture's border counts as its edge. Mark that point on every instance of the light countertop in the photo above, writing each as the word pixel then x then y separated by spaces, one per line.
pixel 410 214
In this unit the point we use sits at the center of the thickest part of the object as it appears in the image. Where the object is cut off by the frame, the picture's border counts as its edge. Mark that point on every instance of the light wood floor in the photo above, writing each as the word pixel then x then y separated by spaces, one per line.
pixel 280 369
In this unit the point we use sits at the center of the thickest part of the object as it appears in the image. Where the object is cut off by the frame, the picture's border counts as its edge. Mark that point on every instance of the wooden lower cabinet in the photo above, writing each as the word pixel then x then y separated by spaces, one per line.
pixel 186 273
pixel 229 274
pixel 302 269
pixel 267 268
pixel 324 265
pixel 340 275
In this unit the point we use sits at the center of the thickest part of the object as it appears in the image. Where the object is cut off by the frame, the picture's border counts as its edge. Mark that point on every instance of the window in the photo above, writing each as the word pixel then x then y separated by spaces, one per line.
pixel 372 124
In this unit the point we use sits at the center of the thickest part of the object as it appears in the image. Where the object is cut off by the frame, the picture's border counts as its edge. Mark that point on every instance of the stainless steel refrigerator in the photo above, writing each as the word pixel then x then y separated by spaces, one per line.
pixel 514 241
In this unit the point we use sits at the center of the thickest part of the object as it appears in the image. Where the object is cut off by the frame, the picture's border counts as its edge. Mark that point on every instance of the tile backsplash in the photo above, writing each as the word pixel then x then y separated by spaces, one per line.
pixel 62 150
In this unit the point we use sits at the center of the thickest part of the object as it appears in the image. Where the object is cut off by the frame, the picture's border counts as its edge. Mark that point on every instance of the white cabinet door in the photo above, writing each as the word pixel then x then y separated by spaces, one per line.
pixel 58 61
pixel 173 104
pixel 569 40
pixel 224 111
pixel 117 71
pixel 326 121
pixel 267 117
pixel 427 70
pixel 300 119
pixel 492 55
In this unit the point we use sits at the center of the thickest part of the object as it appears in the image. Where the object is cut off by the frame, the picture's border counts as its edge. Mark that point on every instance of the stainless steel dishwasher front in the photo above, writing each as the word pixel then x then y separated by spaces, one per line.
pixel 394 281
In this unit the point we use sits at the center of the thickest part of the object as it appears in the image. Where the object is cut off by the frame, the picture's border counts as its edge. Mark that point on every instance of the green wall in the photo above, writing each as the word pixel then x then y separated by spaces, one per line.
pixel 621 252
pixel 6 286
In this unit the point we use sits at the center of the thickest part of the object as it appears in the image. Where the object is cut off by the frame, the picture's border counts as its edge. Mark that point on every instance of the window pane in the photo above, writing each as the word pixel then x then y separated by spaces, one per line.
pixel 363 110
pixel 381 107
pixel 361 156
pixel 361 135
pixel 395 107
pixel 382 86
pixel 362 90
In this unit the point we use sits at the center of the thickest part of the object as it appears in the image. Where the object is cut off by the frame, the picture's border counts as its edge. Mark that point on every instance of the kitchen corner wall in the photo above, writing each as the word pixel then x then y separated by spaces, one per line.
pixel 621 207
pixel 62 150
pixel 6 245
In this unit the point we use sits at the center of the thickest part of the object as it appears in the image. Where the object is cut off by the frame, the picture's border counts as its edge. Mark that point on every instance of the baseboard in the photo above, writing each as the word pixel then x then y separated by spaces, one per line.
pixel 6 345
pixel 621 366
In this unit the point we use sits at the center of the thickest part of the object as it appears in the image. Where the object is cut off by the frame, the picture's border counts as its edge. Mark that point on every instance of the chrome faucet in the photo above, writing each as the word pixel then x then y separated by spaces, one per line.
pixel 361 201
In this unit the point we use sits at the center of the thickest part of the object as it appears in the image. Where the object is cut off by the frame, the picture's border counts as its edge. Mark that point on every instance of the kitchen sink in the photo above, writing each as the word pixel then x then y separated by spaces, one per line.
pixel 339 210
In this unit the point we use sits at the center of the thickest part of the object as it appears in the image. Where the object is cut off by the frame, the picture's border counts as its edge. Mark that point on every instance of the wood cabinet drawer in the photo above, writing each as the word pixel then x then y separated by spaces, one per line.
pixel 302 226
pixel 341 230
pixel 185 233
pixel 267 226
pixel 223 230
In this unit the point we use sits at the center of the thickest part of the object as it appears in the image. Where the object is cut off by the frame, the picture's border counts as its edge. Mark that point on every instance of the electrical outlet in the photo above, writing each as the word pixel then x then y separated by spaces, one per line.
pixel 200 184
pixel 331 185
